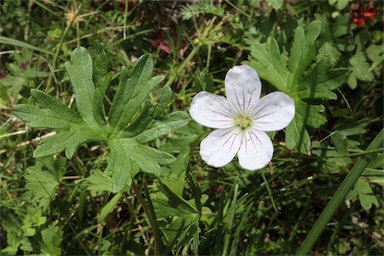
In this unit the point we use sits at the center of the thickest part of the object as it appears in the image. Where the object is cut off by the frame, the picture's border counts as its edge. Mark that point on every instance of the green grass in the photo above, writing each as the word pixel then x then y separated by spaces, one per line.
pixel 304 202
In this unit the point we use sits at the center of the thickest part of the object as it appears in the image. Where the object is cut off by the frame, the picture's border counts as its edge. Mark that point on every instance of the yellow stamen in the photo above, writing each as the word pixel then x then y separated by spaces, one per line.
pixel 243 121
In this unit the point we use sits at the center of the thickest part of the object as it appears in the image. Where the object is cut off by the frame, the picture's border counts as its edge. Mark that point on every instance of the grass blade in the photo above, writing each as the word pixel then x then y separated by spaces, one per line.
pixel 17 43
pixel 339 196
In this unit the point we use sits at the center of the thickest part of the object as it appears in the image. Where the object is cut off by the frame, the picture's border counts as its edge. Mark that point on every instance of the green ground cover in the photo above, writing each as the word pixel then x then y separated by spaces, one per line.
pixel 99 155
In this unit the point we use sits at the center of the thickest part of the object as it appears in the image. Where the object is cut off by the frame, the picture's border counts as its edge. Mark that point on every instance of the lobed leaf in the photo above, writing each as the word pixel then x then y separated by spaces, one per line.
pixel 128 125
pixel 320 82
pixel 131 93
pixel 49 113
pixel 68 141
pixel 164 126
pixel 126 154
pixel 99 182
pixel 302 82
pixel 41 186
pixel 52 238
pixel 149 112
pixel 80 71
pixel 269 64
pixel 101 78
pixel 303 50
pixel 364 192
pixel 119 167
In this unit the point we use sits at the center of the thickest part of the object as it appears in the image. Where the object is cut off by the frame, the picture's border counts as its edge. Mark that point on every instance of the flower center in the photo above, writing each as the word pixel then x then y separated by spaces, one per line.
pixel 243 121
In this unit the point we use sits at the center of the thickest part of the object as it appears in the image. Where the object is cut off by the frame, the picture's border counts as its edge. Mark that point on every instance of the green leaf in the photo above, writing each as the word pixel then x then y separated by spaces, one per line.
pixel 297 135
pixel 340 143
pixel 276 4
pixel 99 182
pixel 127 155
pixel 335 33
pixel 132 120
pixel 364 192
pixel 132 91
pixel 33 219
pixel 147 158
pixel 341 4
pixel 149 113
pixel 303 82
pixel 66 140
pixel 51 238
pixel 14 234
pixel 182 230
pixel 41 186
pixel 101 78
pixel 80 71
pixel 164 126
pixel 15 84
pixel 26 245
pixel 57 167
pixel 21 44
pixel 122 175
pixel 49 113
pixel 270 65
pixel 320 82
pixel 339 196
pixel 330 52
pixel 109 207
pixel 303 50
pixel 360 67
pixel 173 205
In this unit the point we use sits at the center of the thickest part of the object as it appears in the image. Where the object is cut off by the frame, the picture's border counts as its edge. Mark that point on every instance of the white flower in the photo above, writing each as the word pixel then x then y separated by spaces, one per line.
pixel 241 120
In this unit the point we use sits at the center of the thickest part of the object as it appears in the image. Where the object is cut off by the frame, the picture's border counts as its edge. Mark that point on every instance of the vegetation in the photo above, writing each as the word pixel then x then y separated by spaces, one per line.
pixel 98 154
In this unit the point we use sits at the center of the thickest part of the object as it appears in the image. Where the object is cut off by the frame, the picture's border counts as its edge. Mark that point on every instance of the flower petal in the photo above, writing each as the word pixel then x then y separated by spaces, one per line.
pixel 242 87
pixel 273 112
pixel 211 110
pixel 220 147
pixel 256 150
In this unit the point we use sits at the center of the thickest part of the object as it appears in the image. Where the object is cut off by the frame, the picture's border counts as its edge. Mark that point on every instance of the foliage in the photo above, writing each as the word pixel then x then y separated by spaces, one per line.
pixel 126 129
pixel 288 77
pixel 98 154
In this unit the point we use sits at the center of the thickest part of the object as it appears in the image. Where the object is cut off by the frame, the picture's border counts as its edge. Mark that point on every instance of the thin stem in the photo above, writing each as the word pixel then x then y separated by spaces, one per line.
pixel 345 99
pixel 10 197
pixel 125 20
pixel 366 152
pixel 230 221
pixel 182 66
pixel 339 196
pixel 156 234
pixel 269 192
pixel 209 57
pixel 238 9
pixel 58 51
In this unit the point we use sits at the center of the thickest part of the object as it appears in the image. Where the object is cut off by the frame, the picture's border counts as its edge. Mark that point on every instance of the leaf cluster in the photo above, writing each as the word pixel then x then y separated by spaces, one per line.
pixel 130 122
pixel 304 81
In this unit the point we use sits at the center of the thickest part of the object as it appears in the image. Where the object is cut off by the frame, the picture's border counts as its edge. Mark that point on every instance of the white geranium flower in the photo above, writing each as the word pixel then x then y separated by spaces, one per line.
pixel 241 120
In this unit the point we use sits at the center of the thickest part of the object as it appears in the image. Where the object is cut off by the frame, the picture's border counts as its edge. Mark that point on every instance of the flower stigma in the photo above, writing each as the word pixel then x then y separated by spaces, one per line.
pixel 243 121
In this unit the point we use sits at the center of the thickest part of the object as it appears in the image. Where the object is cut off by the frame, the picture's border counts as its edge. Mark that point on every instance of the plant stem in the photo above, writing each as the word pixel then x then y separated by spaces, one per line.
pixel 339 196
pixel 57 53
pixel 228 234
pixel 366 152
pixel 10 197
pixel 269 192
pixel 173 75
pixel 156 233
